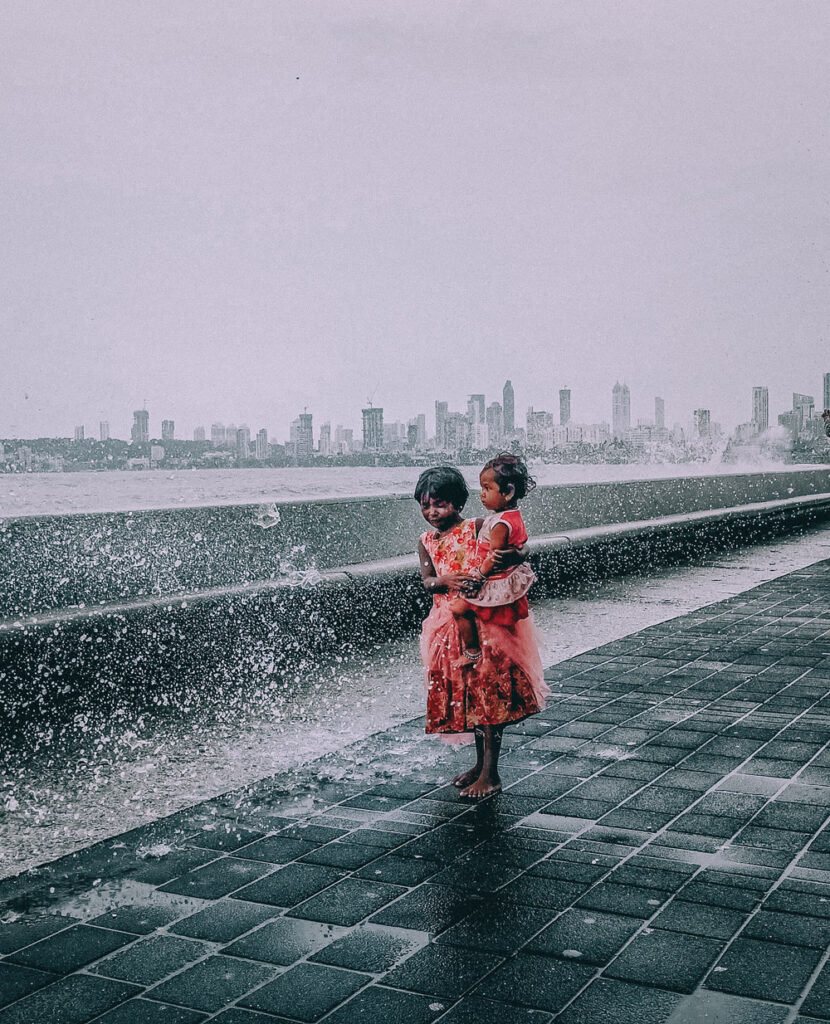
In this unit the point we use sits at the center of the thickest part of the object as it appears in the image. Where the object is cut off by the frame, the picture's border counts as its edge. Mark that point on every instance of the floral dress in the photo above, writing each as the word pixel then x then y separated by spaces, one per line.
pixel 506 684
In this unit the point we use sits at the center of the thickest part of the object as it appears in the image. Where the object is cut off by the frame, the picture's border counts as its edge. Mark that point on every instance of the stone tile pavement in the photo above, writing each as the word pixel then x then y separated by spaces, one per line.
pixel 660 855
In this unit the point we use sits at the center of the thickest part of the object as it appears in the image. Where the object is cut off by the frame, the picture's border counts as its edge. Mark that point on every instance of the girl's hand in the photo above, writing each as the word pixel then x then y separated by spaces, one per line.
pixel 458 581
pixel 504 558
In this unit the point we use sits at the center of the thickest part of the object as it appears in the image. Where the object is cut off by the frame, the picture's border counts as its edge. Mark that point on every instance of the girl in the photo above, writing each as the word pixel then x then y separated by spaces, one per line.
pixel 504 480
pixel 506 684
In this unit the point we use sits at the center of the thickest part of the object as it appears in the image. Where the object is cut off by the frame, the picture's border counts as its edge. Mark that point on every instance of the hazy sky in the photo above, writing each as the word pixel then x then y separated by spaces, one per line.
pixel 237 208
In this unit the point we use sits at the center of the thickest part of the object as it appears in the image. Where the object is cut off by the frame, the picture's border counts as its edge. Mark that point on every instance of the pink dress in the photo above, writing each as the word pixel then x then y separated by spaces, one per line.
pixel 507 684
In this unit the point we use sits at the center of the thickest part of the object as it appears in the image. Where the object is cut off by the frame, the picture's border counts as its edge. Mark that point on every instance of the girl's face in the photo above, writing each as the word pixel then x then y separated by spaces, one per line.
pixel 438 512
pixel 491 497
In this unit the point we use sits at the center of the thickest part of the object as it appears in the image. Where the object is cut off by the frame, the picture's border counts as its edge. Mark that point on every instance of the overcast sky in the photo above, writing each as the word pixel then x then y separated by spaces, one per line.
pixel 233 209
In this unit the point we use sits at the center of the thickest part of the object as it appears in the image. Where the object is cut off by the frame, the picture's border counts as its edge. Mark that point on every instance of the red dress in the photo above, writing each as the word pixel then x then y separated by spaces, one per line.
pixel 506 684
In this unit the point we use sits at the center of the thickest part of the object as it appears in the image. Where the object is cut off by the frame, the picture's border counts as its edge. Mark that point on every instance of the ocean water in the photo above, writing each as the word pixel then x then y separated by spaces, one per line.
pixel 28 494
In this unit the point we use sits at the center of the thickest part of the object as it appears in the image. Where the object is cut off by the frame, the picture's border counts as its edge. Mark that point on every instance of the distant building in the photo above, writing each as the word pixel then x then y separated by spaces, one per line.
pixel 412 435
pixel 703 425
pixel 620 410
pixel 539 425
pixel 421 430
pixel 168 430
pixel 217 434
pixel 79 433
pixel 243 442
pixel 262 445
pixel 495 423
pixel 104 430
pixel 441 413
pixel 475 409
pixel 826 391
pixel 156 453
pixel 456 432
pixel 659 414
pixel 199 434
pixel 324 446
pixel 564 406
pixel 509 410
pixel 803 407
pixel 305 436
pixel 760 408
pixel 140 433
pixel 373 429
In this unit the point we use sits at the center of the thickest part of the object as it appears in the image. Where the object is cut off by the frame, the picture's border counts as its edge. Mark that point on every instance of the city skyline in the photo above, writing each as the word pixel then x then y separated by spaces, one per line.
pixel 759 408
pixel 247 211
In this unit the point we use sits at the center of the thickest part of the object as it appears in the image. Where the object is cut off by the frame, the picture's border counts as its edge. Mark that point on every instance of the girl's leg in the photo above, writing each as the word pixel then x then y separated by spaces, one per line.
pixel 488 781
pixel 470 776
pixel 466 622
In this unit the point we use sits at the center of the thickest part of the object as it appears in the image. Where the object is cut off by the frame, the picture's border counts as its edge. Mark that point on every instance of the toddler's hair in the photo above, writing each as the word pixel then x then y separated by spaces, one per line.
pixel 444 483
pixel 510 469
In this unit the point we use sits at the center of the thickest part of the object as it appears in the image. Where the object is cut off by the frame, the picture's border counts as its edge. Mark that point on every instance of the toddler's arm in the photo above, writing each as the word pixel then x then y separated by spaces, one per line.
pixel 498 544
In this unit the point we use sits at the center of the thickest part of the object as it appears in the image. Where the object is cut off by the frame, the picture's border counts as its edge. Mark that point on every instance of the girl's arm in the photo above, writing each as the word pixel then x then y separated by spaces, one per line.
pixel 498 542
pixel 434 583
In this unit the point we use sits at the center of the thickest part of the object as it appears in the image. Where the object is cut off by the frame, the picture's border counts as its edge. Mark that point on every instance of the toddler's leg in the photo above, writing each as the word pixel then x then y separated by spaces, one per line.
pixel 468 633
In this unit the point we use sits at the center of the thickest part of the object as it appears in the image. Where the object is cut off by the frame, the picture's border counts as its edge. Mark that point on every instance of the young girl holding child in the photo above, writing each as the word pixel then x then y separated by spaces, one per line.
pixel 478 642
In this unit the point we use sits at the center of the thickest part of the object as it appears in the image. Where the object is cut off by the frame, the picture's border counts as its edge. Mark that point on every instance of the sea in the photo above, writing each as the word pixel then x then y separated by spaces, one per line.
pixel 30 494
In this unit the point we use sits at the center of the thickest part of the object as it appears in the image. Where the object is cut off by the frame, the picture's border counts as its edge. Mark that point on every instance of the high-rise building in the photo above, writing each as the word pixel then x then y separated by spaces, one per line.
pixel 421 430
pixel 456 432
pixel 140 433
pixel 79 433
pixel 564 406
pixel 509 409
pixel 826 391
pixel 199 434
pixel 168 430
pixel 441 413
pixel 495 423
pixel 217 434
pixel 262 445
pixel 620 410
pixel 760 409
pixel 475 409
pixel 659 414
pixel 243 441
pixel 305 436
pixel 104 430
pixel 373 429
pixel 703 424
pixel 803 406
pixel 325 439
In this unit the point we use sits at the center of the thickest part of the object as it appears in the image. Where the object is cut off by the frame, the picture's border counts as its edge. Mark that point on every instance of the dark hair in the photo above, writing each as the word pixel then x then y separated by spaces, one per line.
pixel 510 470
pixel 445 483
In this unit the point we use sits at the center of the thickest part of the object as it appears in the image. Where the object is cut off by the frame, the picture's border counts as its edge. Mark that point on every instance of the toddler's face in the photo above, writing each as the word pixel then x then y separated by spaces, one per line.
pixel 438 512
pixel 491 497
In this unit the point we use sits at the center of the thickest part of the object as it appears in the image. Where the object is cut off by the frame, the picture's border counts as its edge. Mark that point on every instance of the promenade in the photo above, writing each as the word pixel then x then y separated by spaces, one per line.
pixel 660 855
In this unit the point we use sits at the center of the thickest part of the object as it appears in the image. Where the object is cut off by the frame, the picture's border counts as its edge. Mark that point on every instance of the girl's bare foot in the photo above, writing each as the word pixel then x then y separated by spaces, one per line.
pixel 466 778
pixel 483 786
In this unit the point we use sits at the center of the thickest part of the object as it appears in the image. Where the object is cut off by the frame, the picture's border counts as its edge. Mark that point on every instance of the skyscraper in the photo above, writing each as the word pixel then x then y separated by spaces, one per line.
pixel 243 441
pixel 262 445
pixel 168 430
pixel 564 406
pixel 659 413
pixel 495 423
pixel 421 430
pixel 305 436
pixel 104 430
pixel 827 391
pixel 475 408
pixel 703 425
pixel 217 434
pixel 803 406
pixel 140 433
pixel 441 412
pixel 325 439
pixel 79 433
pixel 760 408
pixel 620 410
pixel 508 406
pixel 199 434
pixel 373 429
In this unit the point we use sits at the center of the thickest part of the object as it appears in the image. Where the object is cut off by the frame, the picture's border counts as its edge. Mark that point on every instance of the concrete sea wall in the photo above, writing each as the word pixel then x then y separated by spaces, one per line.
pixel 189 605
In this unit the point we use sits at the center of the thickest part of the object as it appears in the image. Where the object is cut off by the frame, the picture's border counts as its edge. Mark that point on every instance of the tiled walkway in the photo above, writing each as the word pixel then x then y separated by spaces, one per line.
pixel 661 855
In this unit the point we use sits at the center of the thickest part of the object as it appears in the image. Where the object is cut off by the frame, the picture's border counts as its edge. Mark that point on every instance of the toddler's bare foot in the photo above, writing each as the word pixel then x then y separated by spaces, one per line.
pixel 482 787
pixel 467 777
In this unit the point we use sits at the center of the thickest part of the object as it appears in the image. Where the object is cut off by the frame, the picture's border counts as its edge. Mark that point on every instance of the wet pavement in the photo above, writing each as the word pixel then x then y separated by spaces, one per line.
pixel 660 855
